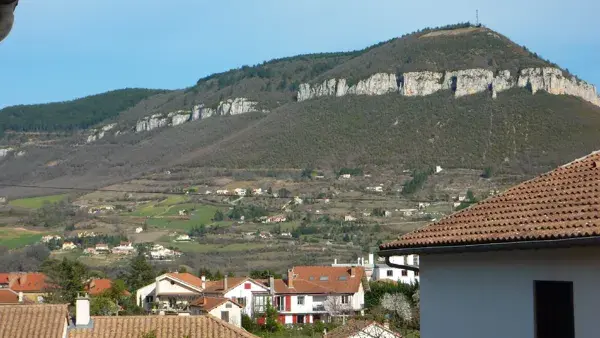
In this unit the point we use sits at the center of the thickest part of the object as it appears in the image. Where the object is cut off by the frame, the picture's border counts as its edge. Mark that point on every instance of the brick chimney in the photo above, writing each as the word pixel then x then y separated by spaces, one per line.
pixel 203 278
pixel 290 278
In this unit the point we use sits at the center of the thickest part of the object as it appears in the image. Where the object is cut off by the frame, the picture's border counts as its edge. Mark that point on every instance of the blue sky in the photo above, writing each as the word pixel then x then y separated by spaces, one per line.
pixel 64 49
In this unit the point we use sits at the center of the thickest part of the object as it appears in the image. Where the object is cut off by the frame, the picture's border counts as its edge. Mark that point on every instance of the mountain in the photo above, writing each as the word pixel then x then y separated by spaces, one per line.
pixel 455 96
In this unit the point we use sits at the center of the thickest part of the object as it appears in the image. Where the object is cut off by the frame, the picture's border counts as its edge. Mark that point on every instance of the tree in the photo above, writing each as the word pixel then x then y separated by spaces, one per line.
pixel 488 172
pixel 218 275
pixel 140 273
pixel 336 307
pixel 206 273
pixel 103 306
pixel 284 193
pixel 398 304
pixel 218 216
pixel 270 191
pixel 272 323
pixel 65 279
pixel 248 192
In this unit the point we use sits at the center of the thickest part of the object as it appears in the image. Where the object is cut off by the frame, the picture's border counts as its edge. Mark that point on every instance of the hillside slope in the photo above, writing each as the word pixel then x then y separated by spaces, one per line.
pixel 199 126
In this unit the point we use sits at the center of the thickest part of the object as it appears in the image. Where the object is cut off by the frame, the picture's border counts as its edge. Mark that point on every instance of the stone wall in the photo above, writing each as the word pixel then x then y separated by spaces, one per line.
pixel 462 82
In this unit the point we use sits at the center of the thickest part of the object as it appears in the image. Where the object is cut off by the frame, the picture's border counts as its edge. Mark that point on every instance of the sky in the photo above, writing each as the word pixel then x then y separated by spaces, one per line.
pixel 65 49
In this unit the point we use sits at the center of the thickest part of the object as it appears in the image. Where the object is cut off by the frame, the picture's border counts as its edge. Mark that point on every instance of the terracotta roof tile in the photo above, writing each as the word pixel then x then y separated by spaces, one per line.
pixel 100 285
pixel 353 327
pixel 321 279
pixel 209 303
pixel 8 296
pixel 27 321
pixel 27 281
pixel 563 203
pixel 217 285
pixel 205 326
pixel 187 278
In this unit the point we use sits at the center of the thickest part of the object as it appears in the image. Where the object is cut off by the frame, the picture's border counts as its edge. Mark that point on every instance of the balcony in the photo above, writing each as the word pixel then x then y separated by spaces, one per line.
pixel 318 308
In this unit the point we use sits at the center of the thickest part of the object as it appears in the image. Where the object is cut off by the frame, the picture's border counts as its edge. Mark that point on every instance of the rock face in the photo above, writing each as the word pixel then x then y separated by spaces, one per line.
pixel 239 105
pixel 462 82
pixel 5 151
pixel 473 81
pixel 179 117
pixel 422 83
pixel 96 134
pixel 151 122
pixel 377 84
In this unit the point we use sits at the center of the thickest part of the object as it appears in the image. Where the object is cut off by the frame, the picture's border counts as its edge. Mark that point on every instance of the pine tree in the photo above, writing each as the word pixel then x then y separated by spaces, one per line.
pixel 140 273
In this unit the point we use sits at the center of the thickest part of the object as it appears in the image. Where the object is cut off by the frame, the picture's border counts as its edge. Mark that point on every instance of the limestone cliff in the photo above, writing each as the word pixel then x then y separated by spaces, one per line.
pixel 5 151
pixel 96 134
pixel 462 82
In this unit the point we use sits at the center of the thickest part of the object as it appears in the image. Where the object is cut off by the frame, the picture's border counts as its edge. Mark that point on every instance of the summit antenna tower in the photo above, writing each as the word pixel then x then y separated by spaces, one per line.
pixel 476 17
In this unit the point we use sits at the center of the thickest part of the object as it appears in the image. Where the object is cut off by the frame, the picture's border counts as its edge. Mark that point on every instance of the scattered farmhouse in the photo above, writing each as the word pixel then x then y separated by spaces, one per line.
pixel 183 238
pixel 223 192
pixel 349 218
pixel 375 188
pixel 101 209
pixel 49 238
pixel 276 219
pixel 529 256
pixel 69 246
pixel 345 176
pixel 125 248
pixel 160 252
pixel 102 248
pixel 240 191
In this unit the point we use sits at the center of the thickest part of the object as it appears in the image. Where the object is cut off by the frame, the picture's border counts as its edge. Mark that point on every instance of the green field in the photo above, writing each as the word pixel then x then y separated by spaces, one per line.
pixel 37 202
pixel 197 247
pixel 14 238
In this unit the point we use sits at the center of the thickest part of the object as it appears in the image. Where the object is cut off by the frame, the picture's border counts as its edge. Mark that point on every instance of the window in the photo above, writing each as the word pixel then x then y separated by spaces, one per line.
pixel 300 319
pixel 390 273
pixel 247 286
pixel 404 273
pixel 228 305
pixel 416 273
pixel 554 314
pixel 241 301
pixel 343 278
pixel 311 278
pixel 225 316
pixel 416 260
pixel 280 303
pixel 323 278
pixel 260 303
pixel 346 299
pixel 300 300
pixel 149 299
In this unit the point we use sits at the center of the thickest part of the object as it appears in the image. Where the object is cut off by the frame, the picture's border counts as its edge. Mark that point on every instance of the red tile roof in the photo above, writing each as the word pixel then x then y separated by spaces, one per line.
pixel 354 327
pixel 186 278
pixel 4 278
pixel 100 285
pixel 561 204
pixel 27 281
pixel 209 303
pixel 232 282
pixel 8 296
pixel 27 321
pixel 204 326
pixel 322 280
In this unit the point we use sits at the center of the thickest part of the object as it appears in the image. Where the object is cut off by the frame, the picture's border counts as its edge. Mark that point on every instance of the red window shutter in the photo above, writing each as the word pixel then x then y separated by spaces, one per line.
pixel 288 303
pixel 294 319
pixel 309 319
pixel 282 319
pixel 247 286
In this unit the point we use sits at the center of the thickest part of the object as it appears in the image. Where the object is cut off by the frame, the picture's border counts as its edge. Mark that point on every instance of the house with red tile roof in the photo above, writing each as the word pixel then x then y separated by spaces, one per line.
pixel 523 263
pixel 98 286
pixel 224 308
pixel 31 284
pixel 315 293
pixel 170 292
pixel 243 290
pixel 8 296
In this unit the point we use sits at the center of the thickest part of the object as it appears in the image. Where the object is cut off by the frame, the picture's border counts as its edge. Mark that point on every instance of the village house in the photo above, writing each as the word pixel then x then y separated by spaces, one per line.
pixel 97 286
pixel 240 191
pixel 55 321
pixel 102 248
pixel 8 296
pixel 257 191
pixel 345 176
pixel 226 309
pixel 222 192
pixel 316 293
pixel 375 189
pixel 32 285
pixel 375 271
pixel 90 251
pixel 170 293
pixel 524 263
pixel 139 230
pixel 362 329
pixel 286 234
pixel 125 248
pixel 182 212
pixel 48 238
pixel 408 212
pixel 101 209
pixel 349 218
pixel 247 292
pixel 69 246
pixel 159 252
pixel 276 219
pixel 183 238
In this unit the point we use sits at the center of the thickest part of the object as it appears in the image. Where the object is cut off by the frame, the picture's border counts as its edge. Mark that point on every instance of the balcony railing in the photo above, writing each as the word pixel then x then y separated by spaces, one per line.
pixel 318 307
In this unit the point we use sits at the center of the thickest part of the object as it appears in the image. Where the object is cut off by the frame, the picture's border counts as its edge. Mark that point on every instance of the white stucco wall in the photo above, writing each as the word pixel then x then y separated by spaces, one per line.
pixel 235 313
pixel 140 295
pixel 492 294
pixel 172 287
pixel 241 292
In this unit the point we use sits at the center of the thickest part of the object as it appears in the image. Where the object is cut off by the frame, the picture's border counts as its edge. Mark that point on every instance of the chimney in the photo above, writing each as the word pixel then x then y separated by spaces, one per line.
pixel 371 259
pixel 82 310
pixel 386 324
pixel 335 261
pixel 203 278
pixel 352 272
pixel 358 261
pixel 225 283
pixel 272 285
pixel 20 297
pixel 291 278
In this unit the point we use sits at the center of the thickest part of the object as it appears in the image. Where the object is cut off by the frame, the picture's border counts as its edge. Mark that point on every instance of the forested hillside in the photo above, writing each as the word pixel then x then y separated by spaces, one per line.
pixel 71 115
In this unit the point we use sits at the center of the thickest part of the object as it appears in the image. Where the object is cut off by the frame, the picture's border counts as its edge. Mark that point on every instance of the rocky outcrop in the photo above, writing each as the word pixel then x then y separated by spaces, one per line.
pixel 5 151
pixel 179 117
pixel 96 134
pixel 239 105
pixel 151 123
pixel 554 82
pixel 461 82
pixel 473 81
pixel 377 84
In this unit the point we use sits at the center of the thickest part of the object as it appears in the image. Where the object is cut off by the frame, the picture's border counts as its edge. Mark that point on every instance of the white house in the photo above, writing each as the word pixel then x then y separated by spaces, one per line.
pixel 170 292
pixel 139 230
pixel 48 238
pixel 245 291
pixel 183 238
pixel 375 189
pixel 125 248
pixel 222 192
pixel 406 276
pixel 363 329
pixel 345 176
pixel 349 218
pixel 240 191
pixel 220 307
pixel 524 263
pixel 69 246
pixel 315 293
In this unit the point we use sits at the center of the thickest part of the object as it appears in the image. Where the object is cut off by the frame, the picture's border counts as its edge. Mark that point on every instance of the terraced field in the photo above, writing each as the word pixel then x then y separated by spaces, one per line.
pixel 37 202
pixel 16 237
